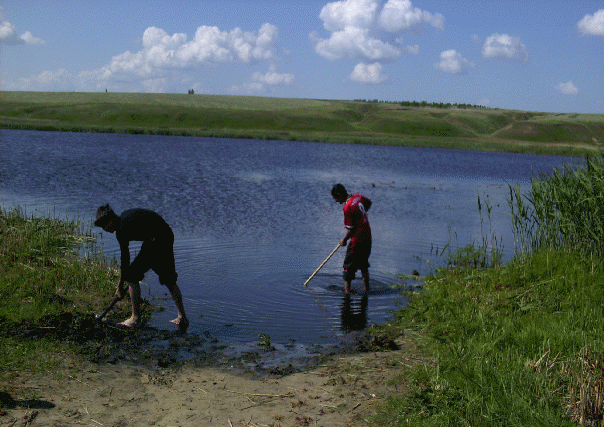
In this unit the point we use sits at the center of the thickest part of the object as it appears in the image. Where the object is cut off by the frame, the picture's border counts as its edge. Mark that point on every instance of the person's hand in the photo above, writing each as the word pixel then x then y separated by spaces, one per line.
pixel 343 242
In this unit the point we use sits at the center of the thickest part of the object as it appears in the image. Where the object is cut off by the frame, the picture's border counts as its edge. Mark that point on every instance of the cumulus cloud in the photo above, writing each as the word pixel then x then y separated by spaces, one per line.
pixel 339 15
pixel 354 42
pixel 249 88
pixel 400 15
pixel 503 46
pixel 453 62
pixel 8 34
pixel 567 88
pixel 368 73
pixel 273 78
pixel 359 29
pixel 49 80
pixel 263 82
pixel 162 52
pixel 7 30
pixel 592 25
pixel 29 39
pixel 409 49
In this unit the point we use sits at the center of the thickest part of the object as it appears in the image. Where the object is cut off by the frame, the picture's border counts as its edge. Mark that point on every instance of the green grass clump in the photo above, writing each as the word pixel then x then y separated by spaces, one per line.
pixel 522 343
pixel 41 273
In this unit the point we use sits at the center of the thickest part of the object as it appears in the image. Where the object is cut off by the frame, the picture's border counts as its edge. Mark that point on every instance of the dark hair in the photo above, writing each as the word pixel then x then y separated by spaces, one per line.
pixel 339 190
pixel 104 214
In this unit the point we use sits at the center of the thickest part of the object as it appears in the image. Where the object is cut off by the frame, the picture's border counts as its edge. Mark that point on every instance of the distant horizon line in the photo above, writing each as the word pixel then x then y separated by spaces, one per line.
pixel 428 104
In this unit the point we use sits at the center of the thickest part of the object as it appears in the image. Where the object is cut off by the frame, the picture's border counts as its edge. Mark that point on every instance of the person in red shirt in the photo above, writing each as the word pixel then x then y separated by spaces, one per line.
pixel 358 234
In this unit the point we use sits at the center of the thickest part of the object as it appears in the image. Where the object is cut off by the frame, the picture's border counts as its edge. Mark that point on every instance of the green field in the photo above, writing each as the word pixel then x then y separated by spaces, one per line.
pixel 293 119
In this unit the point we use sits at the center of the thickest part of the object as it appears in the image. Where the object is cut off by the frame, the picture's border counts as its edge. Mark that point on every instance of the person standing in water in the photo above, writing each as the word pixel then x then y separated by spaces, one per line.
pixel 358 234
pixel 156 253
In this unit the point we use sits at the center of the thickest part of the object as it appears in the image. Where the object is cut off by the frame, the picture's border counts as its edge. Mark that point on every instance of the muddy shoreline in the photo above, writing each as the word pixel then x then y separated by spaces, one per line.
pixel 155 377
pixel 107 342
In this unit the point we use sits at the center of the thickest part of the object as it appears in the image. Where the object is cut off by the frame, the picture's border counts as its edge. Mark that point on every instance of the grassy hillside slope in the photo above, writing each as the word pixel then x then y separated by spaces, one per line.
pixel 303 120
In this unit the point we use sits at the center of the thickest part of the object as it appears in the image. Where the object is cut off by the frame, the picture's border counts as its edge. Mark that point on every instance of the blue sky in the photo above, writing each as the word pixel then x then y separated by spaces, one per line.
pixel 532 55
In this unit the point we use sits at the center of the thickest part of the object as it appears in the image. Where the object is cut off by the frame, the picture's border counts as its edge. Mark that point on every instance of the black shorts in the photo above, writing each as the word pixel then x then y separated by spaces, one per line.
pixel 157 255
pixel 356 259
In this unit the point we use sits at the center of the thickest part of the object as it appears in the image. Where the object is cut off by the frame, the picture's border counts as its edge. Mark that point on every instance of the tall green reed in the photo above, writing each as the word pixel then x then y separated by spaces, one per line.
pixel 561 210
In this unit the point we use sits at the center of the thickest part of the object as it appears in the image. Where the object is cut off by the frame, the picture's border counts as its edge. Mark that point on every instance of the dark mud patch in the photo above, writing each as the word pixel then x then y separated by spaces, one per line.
pixel 107 342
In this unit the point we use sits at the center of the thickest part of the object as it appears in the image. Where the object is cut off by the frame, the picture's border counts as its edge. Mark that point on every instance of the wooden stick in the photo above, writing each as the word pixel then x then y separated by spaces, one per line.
pixel 108 308
pixel 321 265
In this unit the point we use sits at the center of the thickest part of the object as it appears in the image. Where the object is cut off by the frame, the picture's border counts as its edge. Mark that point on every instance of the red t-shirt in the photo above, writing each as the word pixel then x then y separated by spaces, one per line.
pixel 356 218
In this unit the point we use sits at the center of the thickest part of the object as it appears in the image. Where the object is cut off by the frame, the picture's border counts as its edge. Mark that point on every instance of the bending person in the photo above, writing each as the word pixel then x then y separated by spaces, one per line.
pixel 358 232
pixel 156 253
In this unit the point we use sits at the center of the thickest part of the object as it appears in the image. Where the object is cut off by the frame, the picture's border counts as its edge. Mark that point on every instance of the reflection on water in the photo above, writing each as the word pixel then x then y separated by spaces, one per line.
pixel 253 219
pixel 354 314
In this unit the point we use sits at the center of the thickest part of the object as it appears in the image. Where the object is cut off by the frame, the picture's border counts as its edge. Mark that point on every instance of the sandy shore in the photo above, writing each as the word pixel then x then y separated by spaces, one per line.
pixel 341 391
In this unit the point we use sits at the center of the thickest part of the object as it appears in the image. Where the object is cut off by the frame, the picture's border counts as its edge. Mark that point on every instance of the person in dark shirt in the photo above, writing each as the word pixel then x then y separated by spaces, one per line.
pixel 358 232
pixel 156 253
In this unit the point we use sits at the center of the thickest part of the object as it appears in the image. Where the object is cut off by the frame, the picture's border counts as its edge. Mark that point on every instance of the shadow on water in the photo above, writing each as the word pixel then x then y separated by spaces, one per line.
pixel 354 314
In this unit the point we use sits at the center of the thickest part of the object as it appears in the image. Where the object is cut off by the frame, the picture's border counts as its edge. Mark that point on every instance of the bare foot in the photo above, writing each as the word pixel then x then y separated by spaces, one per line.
pixel 131 322
pixel 181 323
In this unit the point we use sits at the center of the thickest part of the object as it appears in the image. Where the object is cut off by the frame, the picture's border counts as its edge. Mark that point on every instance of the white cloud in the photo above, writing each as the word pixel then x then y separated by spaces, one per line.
pixel 358 27
pixel 273 78
pixel 353 42
pixel 567 88
pixel 409 49
pixel 592 25
pixel 453 62
pixel 154 85
pixel 8 34
pixel 162 52
pixel 503 46
pixel 339 15
pixel 7 30
pixel 248 89
pixel 48 80
pixel 29 39
pixel 400 15
pixel 368 73
pixel 262 83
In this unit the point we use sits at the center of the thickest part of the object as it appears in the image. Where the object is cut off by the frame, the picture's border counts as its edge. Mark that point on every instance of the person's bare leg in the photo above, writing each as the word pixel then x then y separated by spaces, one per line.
pixel 181 320
pixel 134 289
pixel 347 288
pixel 366 279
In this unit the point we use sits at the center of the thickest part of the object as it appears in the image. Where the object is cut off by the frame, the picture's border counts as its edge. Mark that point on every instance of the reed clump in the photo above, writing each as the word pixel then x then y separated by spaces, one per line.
pixel 519 343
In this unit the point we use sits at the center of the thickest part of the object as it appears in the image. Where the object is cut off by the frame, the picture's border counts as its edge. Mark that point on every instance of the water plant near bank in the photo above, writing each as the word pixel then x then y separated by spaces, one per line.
pixel 521 343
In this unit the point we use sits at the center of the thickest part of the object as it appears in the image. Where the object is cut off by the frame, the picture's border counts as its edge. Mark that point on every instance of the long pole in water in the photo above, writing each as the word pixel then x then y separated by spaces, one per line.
pixel 321 265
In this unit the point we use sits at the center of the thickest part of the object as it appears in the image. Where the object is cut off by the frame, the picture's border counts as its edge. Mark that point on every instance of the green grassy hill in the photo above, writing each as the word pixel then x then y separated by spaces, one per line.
pixel 303 120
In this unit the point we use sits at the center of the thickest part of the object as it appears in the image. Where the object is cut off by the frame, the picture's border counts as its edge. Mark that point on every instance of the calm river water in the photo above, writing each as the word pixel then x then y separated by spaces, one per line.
pixel 254 219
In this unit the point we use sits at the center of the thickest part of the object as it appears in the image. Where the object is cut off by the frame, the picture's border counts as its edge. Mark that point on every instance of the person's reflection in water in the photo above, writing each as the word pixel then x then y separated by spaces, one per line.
pixel 354 316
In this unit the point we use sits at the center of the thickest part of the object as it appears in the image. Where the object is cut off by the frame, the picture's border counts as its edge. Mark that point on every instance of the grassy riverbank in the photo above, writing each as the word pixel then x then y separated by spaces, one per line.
pixel 358 122
pixel 519 344
pixel 41 276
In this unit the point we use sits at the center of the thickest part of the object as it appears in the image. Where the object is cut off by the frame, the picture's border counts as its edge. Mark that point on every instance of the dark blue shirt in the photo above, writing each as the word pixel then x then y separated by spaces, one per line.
pixel 139 225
